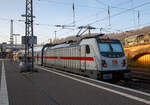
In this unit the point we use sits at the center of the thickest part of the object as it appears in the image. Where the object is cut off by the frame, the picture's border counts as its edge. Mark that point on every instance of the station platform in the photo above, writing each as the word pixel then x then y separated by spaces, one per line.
pixel 53 87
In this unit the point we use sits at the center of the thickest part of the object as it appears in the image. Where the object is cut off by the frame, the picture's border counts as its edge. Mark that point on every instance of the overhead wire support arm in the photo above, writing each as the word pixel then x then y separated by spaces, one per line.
pixel 65 26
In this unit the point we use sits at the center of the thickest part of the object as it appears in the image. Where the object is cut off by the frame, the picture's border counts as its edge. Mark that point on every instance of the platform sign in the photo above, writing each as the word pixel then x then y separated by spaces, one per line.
pixel 32 39
pixel 23 39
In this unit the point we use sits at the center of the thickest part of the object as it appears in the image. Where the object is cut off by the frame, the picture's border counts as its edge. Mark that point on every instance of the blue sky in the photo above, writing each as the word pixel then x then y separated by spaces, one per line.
pixel 52 12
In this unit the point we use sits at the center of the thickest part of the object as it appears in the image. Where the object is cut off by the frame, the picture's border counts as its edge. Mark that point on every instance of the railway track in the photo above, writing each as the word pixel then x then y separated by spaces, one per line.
pixel 142 74
pixel 140 80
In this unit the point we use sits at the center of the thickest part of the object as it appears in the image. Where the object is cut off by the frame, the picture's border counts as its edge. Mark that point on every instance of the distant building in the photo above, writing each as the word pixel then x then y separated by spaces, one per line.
pixel 7 49
pixel 137 39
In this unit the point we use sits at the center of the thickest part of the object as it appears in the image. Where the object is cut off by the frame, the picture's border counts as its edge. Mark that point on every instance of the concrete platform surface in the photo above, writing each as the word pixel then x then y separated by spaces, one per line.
pixel 52 87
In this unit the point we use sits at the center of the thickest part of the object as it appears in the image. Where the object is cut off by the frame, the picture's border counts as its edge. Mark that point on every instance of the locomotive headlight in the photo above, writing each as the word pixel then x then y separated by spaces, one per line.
pixel 123 63
pixel 104 64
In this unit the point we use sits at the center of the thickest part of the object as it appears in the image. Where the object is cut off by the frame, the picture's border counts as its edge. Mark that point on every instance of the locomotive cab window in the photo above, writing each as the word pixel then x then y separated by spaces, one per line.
pixel 111 48
pixel 87 49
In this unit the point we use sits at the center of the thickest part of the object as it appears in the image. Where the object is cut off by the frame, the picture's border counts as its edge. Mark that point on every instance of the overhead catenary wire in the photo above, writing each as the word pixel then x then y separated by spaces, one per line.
pixel 108 16
pixel 121 12
pixel 19 20
pixel 133 13
pixel 117 14
pixel 44 24
pixel 102 3
pixel 78 20
pixel 48 25
pixel 138 6
pixel 130 27
pixel 4 19
pixel 64 3
pixel 116 7
pixel 138 13
pixel 67 3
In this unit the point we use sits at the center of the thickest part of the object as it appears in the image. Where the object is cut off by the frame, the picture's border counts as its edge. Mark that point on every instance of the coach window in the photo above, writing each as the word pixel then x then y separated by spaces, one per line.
pixel 87 49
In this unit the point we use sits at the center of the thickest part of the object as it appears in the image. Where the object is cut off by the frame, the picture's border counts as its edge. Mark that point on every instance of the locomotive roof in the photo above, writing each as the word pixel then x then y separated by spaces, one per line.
pixel 64 45
pixel 107 40
pixel 77 43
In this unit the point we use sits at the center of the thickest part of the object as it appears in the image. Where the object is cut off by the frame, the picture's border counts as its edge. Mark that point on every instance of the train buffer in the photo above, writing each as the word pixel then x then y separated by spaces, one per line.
pixel 54 87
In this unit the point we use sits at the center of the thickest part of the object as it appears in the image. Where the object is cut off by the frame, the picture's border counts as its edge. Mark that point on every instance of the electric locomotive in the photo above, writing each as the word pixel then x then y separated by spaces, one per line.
pixel 94 57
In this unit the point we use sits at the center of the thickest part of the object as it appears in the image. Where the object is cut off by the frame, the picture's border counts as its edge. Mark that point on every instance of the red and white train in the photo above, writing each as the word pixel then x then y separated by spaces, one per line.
pixel 94 57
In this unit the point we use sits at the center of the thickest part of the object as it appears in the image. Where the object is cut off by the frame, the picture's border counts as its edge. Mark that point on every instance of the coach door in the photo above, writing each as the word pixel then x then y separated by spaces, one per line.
pixel 83 56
